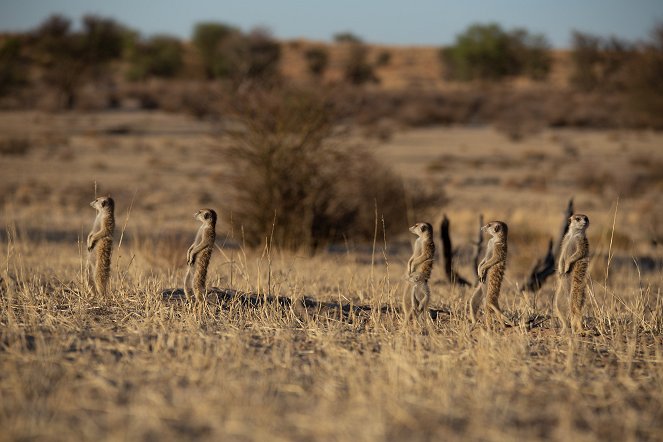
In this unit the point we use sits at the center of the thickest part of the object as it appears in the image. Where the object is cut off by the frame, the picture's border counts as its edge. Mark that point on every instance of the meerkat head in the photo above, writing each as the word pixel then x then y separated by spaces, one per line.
pixel 578 222
pixel 422 229
pixel 103 204
pixel 496 228
pixel 206 216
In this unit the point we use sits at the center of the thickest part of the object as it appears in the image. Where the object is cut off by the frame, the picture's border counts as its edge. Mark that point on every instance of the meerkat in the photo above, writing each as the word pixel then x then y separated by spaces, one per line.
pixel 491 271
pixel 100 245
pixel 419 268
pixel 199 254
pixel 572 268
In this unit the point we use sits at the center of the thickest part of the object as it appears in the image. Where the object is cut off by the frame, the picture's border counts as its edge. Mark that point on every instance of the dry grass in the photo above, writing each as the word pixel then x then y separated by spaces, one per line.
pixel 132 366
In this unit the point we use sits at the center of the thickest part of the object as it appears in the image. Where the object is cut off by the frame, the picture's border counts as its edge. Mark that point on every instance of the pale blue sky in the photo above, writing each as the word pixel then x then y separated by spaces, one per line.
pixel 404 22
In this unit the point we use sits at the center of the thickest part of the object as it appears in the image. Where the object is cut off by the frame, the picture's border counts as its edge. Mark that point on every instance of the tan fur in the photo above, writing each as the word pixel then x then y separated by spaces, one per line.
pixel 100 246
pixel 572 270
pixel 419 268
pixel 199 254
pixel 491 272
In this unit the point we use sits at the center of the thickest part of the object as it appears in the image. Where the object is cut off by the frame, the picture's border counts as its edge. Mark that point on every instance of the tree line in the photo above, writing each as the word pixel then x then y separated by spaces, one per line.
pixel 64 57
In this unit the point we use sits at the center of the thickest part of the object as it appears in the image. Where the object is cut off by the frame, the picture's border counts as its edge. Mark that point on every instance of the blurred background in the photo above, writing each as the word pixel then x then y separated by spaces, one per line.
pixel 310 121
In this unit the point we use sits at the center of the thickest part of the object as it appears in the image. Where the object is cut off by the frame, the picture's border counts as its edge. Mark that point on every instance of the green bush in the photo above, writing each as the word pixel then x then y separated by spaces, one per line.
pixel 159 56
pixel 228 53
pixel 13 72
pixel 487 52
pixel 208 38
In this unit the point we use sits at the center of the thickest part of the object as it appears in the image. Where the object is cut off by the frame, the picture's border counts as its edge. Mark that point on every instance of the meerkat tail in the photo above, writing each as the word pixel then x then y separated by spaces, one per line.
pixel 475 302
pixel 561 285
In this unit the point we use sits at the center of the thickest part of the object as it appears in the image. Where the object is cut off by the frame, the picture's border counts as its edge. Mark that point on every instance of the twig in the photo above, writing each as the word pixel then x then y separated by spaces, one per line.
pixel 447 255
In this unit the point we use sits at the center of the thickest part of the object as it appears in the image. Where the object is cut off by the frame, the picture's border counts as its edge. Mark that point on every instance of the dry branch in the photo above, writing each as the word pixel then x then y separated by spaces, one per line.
pixel 544 267
pixel 479 247
pixel 447 255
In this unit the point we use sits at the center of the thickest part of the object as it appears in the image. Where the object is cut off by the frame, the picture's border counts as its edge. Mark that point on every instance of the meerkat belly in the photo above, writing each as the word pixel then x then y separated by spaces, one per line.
pixel 425 270
pixel 494 277
pixel 203 258
pixel 579 271
pixel 104 250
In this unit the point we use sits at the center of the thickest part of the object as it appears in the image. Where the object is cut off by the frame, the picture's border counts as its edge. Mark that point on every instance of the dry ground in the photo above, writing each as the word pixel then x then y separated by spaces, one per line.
pixel 134 367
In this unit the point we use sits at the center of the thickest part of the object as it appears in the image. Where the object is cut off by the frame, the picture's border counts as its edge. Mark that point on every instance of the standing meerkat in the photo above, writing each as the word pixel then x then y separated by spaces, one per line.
pixel 419 268
pixel 100 245
pixel 491 271
pixel 199 254
pixel 572 268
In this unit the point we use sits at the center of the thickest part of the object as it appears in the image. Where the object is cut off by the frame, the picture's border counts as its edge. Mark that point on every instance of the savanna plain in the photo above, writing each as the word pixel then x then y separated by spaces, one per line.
pixel 132 366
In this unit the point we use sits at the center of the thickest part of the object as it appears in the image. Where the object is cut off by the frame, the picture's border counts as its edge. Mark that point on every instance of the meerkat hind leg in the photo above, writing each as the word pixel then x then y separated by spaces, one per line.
pixel 497 312
pixel 420 298
pixel 576 316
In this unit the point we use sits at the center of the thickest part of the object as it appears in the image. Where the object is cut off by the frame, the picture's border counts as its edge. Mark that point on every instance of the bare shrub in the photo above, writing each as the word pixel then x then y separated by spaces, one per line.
pixel 296 178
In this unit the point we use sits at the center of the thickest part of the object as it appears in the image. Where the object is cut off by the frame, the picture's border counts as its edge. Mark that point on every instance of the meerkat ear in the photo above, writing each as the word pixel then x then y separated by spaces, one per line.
pixel 498 227
pixel 206 215
pixel 104 203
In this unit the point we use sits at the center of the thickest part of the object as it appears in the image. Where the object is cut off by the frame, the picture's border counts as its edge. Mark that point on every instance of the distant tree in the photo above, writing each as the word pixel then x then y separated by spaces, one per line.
pixel 383 59
pixel 532 52
pixel 13 72
pixel 159 56
pixel 600 62
pixel 487 52
pixel 347 37
pixel 645 72
pixel 68 58
pixel 317 59
pixel 357 69
pixel 208 38
pixel 227 53
pixel 103 40
pixel 264 55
